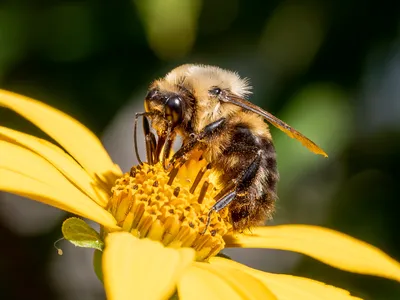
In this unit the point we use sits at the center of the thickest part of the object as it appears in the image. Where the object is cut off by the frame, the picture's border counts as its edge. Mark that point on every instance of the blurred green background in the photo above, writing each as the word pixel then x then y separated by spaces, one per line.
pixel 331 69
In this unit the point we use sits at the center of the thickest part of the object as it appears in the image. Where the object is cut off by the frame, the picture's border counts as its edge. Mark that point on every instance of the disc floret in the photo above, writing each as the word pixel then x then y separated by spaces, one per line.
pixel 149 203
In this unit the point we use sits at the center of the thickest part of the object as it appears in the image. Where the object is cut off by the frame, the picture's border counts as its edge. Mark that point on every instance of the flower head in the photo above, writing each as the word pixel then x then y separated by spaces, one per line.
pixel 153 222
pixel 150 203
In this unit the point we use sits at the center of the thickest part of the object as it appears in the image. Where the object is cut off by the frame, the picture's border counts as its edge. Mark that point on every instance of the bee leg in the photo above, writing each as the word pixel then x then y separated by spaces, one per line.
pixel 207 132
pixel 150 140
pixel 181 153
pixel 225 201
pixel 245 180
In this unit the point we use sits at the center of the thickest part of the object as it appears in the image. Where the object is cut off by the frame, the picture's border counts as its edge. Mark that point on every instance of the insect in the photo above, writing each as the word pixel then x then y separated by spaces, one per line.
pixel 208 108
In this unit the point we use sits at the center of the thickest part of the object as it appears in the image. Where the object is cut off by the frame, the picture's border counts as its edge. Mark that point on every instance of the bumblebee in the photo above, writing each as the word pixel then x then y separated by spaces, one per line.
pixel 208 108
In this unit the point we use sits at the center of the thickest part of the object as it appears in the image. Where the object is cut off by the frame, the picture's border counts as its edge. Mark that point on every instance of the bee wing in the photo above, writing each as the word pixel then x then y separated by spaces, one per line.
pixel 293 133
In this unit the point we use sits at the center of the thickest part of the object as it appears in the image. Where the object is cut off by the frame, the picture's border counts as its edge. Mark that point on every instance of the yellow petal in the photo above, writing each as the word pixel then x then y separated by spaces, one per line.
pixel 77 139
pixel 24 161
pixel 60 160
pixel 287 287
pixel 329 246
pixel 57 195
pixel 141 268
pixel 208 281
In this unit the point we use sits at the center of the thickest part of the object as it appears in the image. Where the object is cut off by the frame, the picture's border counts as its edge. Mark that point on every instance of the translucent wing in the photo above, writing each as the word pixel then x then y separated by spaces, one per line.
pixel 276 122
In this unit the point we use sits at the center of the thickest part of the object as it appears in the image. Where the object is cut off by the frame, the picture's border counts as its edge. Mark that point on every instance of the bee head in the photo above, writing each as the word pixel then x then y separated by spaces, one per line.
pixel 192 96
pixel 167 105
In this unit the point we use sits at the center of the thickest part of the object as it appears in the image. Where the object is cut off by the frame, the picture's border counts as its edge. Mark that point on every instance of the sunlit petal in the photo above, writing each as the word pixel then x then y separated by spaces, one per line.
pixel 65 199
pixel 59 159
pixel 140 268
pixel 329 246
pixel 287 287
pixel 208 281
pixel 24 161
pixel 78 140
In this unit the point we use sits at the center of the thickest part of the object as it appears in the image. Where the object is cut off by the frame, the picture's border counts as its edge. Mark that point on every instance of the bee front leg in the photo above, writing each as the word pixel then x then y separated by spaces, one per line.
pixel 196 139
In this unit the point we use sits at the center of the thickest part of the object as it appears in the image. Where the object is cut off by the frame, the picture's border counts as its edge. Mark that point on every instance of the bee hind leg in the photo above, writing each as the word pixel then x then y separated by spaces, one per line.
pixel 242 184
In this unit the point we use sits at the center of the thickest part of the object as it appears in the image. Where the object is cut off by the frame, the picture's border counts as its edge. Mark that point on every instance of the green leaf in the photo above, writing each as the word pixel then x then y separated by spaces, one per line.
pixel 79 233
pixel 97 264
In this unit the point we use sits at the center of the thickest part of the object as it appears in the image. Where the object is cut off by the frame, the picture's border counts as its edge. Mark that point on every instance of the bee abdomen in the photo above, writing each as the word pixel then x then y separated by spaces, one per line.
pixel 255 200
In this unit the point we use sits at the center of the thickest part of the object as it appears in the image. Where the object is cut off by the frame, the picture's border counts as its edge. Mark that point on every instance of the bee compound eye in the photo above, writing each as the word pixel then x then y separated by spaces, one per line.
pixel 174 110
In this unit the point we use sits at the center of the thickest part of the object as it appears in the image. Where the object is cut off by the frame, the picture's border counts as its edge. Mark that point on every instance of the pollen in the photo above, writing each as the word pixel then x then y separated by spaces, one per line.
pixel 172 207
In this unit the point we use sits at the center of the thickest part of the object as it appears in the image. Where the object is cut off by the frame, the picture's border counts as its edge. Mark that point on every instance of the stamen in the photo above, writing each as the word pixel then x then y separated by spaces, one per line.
pixel 176 191
pixel 199 177
pixel 197 180
pixel 203 192
pixel 172 175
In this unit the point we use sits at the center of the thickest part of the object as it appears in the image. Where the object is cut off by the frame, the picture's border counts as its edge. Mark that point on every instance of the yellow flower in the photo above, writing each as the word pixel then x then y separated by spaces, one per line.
pixel 141 212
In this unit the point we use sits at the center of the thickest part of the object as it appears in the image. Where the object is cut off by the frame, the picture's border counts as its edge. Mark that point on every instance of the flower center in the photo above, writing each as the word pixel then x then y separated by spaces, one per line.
pixel 171 207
